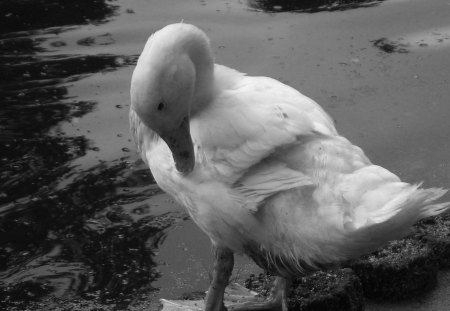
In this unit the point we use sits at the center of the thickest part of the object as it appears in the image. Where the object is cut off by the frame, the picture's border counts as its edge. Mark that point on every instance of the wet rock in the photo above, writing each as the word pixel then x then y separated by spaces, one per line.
pixel 261 283
pixel 436 233
pixel 403 269
pixel 441 249
pixel 334 290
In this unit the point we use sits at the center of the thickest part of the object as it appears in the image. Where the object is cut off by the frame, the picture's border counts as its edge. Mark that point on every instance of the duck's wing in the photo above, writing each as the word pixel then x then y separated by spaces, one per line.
pixel 317 161
pixel 269 177
pixel 250 120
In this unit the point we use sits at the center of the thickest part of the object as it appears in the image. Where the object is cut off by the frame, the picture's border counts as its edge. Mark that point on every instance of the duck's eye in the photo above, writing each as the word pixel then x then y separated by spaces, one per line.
pixel 160 106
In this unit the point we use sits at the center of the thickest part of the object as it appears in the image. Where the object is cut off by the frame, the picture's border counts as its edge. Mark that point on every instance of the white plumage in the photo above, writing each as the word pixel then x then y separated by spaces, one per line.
pixel 259 166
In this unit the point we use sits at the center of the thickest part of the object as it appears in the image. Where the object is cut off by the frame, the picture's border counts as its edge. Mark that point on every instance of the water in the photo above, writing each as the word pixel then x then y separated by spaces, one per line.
pixel 82 224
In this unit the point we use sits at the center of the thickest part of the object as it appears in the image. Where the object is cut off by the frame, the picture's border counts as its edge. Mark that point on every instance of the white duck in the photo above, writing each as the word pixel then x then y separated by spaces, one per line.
pixel 260 167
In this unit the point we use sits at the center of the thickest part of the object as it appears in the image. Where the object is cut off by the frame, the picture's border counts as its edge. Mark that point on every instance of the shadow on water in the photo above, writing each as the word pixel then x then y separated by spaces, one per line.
pixel 20 15
pixel 73 240
pixel 90 237
pixel 310 6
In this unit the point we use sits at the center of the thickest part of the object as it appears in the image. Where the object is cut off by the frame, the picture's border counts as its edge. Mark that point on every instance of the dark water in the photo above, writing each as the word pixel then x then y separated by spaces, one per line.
pixel 65 230
pixel 310 6
pixel 82 223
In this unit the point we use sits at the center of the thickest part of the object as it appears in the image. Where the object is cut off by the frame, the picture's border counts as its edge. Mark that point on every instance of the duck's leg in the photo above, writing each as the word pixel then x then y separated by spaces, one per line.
pixel 276 301
pixel 223 266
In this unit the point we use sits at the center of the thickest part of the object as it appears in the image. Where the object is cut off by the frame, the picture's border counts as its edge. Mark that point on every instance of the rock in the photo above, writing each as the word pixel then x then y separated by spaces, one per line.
pixel 436 233
pixel 335 290
pixel 403 269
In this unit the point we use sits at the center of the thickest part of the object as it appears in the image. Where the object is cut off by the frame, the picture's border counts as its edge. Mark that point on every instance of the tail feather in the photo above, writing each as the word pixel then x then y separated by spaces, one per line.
pixel 394 219
pixel 303 238
pixel 434 209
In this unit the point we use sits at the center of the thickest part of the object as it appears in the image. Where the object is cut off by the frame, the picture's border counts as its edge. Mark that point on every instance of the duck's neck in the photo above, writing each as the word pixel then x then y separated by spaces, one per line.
pixel 196 45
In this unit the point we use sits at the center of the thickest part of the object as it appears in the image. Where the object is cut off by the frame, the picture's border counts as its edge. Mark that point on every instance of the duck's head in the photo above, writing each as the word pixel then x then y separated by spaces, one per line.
pixel 166 86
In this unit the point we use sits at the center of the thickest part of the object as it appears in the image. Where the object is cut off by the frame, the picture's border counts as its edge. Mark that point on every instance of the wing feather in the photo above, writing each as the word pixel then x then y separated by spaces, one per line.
pixel 266 179
pixel 250 120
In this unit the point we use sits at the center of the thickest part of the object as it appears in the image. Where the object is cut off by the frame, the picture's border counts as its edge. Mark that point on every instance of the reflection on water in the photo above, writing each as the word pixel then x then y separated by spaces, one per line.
pixel 310 5
pixel 24 15
pixel 83 238
pixel 87 237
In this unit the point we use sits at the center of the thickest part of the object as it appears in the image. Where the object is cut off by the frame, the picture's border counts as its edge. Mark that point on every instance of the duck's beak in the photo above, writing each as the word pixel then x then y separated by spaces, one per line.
pixel 180 143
